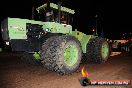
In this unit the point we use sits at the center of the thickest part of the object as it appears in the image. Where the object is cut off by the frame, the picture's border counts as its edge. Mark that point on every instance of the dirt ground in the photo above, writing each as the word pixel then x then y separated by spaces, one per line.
pixel 17 74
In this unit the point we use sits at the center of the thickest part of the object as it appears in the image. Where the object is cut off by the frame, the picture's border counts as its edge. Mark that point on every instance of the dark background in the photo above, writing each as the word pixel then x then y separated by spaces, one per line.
pixel 113 17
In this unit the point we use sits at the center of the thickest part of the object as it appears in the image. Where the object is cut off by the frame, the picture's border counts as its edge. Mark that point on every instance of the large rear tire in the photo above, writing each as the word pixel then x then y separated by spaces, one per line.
pixel 61 54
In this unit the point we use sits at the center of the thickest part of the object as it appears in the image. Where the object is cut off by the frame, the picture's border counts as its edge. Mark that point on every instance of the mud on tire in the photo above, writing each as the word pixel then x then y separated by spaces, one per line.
pixel 52 54
pixel 95 50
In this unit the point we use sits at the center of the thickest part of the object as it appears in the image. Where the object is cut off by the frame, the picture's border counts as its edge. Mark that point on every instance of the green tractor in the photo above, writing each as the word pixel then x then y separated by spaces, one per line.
pixel 52 42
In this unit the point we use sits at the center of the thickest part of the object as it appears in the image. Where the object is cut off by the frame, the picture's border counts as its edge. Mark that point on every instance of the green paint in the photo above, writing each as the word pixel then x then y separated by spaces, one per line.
pixel 54 27
pixel 55 6
pixel 37 56
pixel 105 50
pixel 83 38
pixel 70 55
pixel 17 27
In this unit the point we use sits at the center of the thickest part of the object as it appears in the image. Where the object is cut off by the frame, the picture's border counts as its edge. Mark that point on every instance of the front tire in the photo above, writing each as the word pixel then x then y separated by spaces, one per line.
pixel 61 54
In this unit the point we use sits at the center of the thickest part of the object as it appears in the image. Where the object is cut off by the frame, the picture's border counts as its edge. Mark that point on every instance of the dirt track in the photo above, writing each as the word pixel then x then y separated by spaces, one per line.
pixel 16 74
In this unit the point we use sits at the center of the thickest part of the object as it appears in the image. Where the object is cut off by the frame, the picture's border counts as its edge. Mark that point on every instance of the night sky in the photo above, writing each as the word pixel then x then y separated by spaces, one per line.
pixel 114 18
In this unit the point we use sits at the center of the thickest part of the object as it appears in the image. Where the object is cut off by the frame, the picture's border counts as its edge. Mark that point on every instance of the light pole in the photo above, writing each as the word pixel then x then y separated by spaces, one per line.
pixel 33 13
pixel 96 24
pixel 102 33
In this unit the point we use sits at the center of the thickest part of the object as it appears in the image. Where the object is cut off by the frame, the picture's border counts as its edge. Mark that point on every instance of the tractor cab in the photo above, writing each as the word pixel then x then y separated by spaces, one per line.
pixel 51 12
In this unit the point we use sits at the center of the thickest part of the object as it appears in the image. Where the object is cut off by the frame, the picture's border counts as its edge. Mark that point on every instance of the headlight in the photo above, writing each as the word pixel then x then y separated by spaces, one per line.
pixel 46 29
pixel 7 43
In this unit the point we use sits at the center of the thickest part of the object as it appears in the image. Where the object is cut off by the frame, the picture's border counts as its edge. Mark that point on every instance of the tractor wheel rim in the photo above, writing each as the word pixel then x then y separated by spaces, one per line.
pixel 70 55
pixel 105 50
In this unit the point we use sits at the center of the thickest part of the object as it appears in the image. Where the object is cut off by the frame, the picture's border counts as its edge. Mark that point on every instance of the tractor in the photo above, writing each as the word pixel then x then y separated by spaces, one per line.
pixel 52 41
